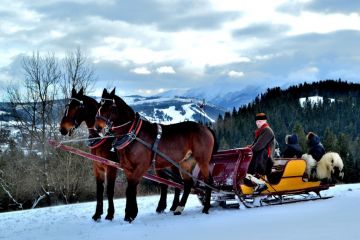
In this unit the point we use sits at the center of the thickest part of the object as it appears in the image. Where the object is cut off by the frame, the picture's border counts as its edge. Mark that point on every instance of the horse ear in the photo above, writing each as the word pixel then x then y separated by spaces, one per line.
pixel 81 92
pixel 73 92
pixel 105 92
pixel 113 92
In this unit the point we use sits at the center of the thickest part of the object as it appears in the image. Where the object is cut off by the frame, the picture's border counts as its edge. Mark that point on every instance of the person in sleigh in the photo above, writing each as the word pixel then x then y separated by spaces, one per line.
pixel 263 149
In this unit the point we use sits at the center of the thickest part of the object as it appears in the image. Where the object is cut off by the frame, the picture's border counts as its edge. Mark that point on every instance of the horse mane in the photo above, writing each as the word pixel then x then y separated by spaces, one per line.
pixel 122 104
pixel 90 99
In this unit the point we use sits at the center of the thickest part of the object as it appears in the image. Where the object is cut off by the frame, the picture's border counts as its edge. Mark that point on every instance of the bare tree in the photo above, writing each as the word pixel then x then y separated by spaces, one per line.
pixel 78 73
pixel 33 107
pixel 38 171
pixel 33 103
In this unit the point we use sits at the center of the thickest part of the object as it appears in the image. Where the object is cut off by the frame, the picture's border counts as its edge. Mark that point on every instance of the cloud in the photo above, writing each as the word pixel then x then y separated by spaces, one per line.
pixel 166 70
pixel 308 74
pixel 150 91
pixel 334 6
pixel 235 74
pixel 261 30
pixel 140 44
pixel 141 71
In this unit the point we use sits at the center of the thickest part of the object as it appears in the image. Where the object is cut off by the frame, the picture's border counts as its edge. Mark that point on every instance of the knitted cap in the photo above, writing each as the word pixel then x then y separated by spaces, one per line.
pixel 260 116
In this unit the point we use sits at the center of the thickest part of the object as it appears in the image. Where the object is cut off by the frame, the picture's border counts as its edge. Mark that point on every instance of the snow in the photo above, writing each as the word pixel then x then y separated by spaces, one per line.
pixel 313 100
pixel 335 218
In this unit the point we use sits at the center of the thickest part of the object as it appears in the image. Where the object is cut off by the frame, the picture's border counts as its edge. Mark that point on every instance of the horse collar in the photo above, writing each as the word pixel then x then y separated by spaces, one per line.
pixel 123 141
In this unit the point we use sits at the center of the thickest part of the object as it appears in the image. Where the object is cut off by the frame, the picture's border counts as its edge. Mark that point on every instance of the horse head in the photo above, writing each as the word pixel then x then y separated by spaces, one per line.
pixel 77 110
pixel 113 112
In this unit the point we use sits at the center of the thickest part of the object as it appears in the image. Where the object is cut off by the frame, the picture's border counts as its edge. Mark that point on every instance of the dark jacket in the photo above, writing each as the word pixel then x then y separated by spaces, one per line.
pixel 316 149
pixel 293 148
pixel 263 145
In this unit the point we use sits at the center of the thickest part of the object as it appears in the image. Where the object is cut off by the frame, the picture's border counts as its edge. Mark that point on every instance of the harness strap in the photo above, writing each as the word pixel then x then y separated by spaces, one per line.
pixel 156 143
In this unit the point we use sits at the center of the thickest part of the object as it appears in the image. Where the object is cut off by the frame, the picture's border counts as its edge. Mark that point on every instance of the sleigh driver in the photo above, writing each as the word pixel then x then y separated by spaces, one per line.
pixel 263 149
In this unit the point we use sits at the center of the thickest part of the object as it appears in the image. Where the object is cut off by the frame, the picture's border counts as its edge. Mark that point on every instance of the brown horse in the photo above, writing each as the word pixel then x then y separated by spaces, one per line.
pixel 83 108
pixel 186 143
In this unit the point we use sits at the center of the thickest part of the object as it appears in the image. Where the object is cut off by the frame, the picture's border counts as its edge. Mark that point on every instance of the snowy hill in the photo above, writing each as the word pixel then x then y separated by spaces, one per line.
pixel 168 110
pixel 219 96
pixel 335 218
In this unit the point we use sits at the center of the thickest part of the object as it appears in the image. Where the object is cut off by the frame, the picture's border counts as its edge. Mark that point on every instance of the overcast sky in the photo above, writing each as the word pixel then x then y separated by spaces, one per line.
pixel 150 46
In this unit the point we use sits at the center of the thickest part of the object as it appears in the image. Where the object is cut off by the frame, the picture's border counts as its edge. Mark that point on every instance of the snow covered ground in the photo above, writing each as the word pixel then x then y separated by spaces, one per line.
pixel 335 218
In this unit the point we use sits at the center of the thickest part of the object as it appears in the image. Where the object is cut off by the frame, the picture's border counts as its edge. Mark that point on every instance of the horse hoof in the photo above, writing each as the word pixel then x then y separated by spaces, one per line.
pixel 206 211
pixel 96 218
pixel 179 210
pixel 160 209
pixel 128 219
pixel 109 217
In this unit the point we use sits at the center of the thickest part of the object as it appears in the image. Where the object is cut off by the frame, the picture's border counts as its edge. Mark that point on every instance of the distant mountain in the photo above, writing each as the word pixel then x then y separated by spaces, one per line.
pixel 174 109
pixel 227 99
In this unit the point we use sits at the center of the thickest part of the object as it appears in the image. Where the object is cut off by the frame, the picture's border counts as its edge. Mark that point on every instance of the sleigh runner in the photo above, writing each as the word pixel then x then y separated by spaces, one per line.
pixel 228 168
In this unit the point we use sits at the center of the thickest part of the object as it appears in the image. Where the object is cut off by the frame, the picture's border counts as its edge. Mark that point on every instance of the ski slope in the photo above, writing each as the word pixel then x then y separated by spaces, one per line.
pixel 335 218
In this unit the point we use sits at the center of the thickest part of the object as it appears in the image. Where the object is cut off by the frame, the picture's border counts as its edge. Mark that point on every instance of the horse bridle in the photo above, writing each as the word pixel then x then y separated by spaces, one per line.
pixel 108 122
pixel 73 119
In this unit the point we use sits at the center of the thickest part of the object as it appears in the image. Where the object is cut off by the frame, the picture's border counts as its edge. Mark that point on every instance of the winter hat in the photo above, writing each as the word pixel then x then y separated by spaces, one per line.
pixel 312 139
pixel 260 116
pixel 293 139
pixel 310 135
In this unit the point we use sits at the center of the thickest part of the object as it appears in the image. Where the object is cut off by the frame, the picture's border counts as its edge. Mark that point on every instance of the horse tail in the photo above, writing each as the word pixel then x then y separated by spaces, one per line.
pixel 216 145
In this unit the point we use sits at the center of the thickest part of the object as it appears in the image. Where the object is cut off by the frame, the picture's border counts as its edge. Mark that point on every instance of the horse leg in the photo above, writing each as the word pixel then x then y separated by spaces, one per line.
pixel 163 195
pixel 208 180
pixel 131 209
pixel 188 183
pixel 176 200
pixel 99 199
pixel 178 179
pixel 187 164
pixel 207 199
pixel 111 177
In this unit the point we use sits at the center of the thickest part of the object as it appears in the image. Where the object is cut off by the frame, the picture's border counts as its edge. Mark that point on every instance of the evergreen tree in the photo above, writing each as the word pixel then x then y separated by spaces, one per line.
pixel 329 141
pixel 299 131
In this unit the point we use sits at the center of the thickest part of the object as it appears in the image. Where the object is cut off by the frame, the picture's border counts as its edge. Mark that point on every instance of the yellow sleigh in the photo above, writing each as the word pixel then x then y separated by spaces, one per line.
pixel 286 184
pixel 288 178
